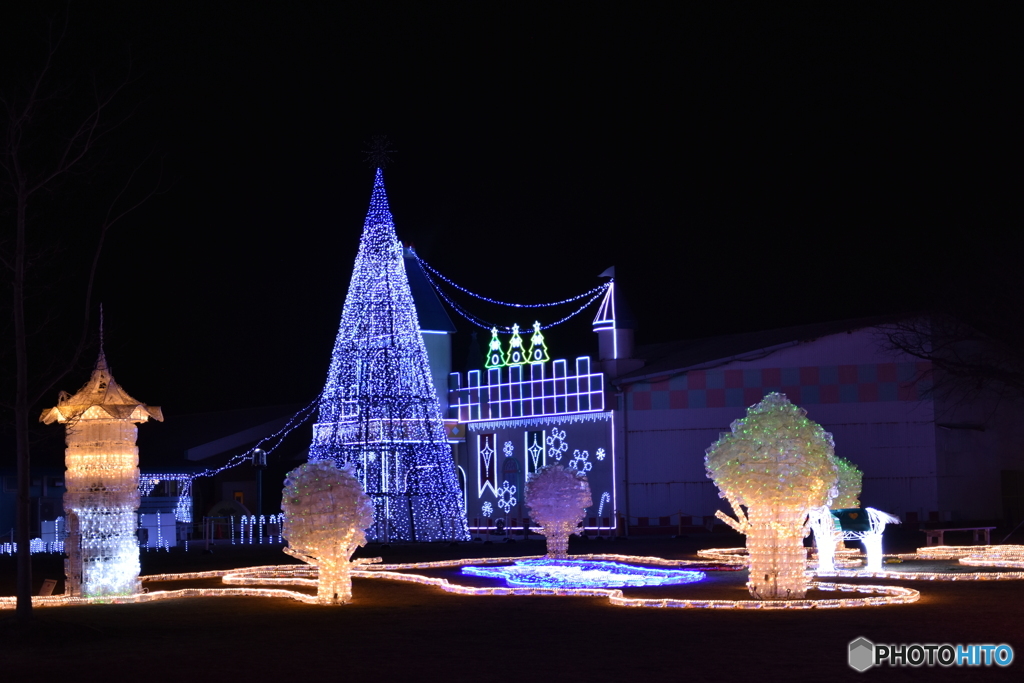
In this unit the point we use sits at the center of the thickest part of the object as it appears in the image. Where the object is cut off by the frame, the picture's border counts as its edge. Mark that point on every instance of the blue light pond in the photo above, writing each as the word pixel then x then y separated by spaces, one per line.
pixel 546 573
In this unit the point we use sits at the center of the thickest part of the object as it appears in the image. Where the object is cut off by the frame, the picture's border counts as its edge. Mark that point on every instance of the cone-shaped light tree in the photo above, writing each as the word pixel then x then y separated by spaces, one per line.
pixel 326 515
pixel 101 484
pixel 779 465
pixel 558 499
pixel 378 411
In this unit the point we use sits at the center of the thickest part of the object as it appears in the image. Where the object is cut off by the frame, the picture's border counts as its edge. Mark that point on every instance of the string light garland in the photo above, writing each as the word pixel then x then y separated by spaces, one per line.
pixel 101 498
pixel 778 465
pixel 994 553
pixel 433 271
pixel 183 506
pixel 302 575
pixel 982 556
pixel 876 596
pixel 378 412
pixel 595 294
pixel 268 444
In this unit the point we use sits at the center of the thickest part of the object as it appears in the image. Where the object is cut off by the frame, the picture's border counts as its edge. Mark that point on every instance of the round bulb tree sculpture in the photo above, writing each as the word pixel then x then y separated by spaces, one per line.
pixel 558 499
pixel 779 465
pixel 326 515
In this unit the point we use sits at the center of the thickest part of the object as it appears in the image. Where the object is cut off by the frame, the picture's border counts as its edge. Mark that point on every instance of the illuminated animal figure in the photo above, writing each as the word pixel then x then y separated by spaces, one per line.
pixel 850 524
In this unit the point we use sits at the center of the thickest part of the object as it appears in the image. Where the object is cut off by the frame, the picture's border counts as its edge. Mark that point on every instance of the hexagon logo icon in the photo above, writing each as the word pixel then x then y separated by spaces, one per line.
pixel 862 654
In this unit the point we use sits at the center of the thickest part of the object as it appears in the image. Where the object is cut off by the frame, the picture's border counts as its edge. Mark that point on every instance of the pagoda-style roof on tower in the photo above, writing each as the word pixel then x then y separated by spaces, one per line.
pixel 100 398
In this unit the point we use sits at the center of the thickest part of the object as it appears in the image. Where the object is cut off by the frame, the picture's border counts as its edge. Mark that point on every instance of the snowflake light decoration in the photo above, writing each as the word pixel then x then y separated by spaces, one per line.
pixel 599 454
pixel 509 449
pixel 507 496
pixel 580 461
pixel 487 509
pixel 556 443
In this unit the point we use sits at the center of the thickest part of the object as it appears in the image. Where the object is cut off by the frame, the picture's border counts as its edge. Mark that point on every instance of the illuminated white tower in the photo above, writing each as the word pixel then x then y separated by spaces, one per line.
pixel 102 484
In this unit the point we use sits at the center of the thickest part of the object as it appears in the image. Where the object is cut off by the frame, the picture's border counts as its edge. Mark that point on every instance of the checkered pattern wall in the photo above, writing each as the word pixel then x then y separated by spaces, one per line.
pixel 802 385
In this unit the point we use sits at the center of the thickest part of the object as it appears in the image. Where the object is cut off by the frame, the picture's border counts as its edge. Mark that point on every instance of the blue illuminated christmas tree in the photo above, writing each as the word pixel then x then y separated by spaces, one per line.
pixel 378 411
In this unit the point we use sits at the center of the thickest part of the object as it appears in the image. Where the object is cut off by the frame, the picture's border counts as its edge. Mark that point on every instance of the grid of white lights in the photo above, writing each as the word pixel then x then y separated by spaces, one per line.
pixel 506 393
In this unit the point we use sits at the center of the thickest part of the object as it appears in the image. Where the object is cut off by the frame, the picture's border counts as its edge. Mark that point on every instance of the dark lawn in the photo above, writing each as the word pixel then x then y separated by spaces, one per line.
pixel 397 631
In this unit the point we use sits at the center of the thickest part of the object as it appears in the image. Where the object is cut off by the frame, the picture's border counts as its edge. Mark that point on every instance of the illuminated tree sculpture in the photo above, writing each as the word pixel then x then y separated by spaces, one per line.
pixel 378 410
pixel 516 354
pixel 538 349
pixel 779 466
pixel 101 496
pixel 495 358
pixel 558 499
pixel 828 537
pixel 326 515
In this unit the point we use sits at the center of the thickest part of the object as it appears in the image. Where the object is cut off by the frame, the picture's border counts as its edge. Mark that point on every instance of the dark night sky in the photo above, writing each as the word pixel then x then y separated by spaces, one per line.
pixel 743 168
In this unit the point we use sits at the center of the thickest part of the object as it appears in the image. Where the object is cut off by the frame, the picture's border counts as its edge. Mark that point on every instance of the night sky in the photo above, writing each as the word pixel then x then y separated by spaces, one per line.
pixel 742 168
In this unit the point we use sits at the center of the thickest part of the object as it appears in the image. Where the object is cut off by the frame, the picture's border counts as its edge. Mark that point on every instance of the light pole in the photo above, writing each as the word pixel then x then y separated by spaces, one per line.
pixel 259 461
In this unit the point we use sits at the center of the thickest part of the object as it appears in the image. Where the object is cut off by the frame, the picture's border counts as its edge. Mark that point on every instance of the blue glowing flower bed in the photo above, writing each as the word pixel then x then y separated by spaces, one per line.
pixel 545 573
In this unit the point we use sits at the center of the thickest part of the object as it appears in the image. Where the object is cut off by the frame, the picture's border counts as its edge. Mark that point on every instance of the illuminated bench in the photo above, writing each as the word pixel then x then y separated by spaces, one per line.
pixel 981 534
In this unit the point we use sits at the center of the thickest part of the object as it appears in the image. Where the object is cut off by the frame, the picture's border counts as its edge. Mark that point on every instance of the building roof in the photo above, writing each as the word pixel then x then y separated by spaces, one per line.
pixel 672 358
pixel 431 313
pixel 100 398
pixel 206 435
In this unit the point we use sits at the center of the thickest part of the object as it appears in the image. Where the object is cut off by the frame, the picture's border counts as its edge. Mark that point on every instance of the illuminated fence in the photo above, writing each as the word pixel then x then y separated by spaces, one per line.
pixel 526 391
pixel 36 545
pixel 244 529
pixel 238 530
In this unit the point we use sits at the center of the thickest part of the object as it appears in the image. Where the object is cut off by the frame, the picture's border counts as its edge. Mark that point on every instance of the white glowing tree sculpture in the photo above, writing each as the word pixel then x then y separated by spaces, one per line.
pixel 828 537
pixel 378 410
pixel 326 515
pixel 778 465
pixel 558 499
pixel 101 496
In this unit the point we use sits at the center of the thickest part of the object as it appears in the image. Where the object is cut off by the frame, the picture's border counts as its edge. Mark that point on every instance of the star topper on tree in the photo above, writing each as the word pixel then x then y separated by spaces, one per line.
pixel 379 151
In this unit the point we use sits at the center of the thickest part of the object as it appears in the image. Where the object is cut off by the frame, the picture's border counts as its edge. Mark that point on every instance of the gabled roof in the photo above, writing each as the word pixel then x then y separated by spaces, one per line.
pixel 431 313
pixel 673 358
pixel 220 433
